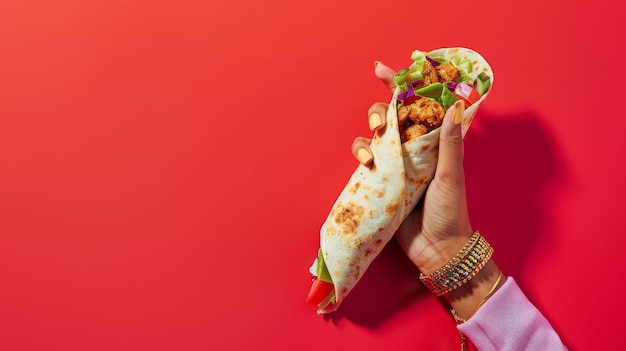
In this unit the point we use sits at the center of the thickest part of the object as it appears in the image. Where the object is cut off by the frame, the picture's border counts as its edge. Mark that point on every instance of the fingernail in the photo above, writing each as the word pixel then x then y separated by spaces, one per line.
pixel 459 112
pixel 376 63
pixel 364 156
pixel 375 121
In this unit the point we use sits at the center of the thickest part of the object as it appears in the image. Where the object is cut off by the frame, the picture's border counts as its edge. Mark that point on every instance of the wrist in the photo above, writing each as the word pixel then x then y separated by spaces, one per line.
pixel 437 253
pixel 464 266
pixel 468 298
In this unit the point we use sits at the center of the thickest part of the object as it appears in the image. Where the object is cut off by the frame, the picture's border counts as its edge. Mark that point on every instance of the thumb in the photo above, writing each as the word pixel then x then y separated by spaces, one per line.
pixel 450 163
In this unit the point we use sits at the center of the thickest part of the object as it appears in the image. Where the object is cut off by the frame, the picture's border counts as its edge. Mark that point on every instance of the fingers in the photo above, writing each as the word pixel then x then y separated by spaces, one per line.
pixel 377 120
pixel 385 74
pixel 361 150
pixel 377 116
pixel 450 163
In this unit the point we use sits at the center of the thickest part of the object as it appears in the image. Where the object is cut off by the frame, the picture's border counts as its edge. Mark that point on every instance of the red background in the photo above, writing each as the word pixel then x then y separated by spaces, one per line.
pixel 165 167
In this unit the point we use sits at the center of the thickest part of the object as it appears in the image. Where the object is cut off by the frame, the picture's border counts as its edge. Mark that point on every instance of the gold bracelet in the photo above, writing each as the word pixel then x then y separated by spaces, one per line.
pixel 491 291
pixel 460 319
pixel 472 257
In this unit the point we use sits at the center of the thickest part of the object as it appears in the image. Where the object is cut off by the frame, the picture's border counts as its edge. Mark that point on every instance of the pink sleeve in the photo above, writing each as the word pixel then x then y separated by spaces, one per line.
pixel 509 321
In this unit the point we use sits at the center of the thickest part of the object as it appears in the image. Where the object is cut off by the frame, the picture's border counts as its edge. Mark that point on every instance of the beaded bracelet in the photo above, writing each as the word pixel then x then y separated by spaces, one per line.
pixel 472 257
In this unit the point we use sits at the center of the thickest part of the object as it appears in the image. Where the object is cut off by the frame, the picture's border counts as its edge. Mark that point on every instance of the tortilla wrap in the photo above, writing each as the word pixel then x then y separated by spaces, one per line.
pixel 377 199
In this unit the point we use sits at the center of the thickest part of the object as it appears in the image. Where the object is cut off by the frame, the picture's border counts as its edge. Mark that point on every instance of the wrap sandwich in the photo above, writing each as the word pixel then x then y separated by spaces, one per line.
pixel 379 197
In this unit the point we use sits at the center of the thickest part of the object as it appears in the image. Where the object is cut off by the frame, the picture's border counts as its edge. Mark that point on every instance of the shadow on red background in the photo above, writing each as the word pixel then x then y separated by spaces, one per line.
pixel 510 161
pixel 513 168
pixel 514 172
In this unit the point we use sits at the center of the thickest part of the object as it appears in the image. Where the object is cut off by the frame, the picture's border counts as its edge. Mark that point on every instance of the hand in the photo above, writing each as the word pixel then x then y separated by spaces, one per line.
pixel 439 226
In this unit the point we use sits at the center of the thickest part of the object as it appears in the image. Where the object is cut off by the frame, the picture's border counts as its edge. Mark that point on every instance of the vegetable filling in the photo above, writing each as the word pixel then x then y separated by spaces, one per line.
pixel 429 87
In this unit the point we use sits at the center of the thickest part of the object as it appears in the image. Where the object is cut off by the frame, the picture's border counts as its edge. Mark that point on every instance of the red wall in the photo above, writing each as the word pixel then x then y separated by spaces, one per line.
pixel 165 167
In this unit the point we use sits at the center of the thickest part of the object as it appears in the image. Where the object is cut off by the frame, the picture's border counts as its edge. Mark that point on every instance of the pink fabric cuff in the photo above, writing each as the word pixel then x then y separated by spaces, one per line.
pixel 509 321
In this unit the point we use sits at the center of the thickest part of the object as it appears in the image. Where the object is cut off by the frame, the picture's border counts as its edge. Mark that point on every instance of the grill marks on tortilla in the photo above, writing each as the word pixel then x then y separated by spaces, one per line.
pixel 368 190
pixel 348 216
pixel 418 181
pixel 378 246
pixel 392 208
pixel 355 188
pixel 425 148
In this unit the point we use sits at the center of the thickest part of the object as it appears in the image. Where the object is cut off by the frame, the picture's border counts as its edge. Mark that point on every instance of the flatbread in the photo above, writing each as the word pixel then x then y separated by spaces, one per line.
pixel 376 199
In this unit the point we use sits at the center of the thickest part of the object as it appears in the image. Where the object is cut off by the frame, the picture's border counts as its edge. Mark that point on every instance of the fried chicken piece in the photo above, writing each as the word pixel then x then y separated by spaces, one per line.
pixel 403 114
pixel 425 114
pixel 428 112
pixel 412 132
pixel 447 73
pixel 429 73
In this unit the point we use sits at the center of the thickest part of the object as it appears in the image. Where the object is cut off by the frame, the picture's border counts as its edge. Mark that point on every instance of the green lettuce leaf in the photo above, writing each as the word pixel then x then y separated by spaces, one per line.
pixel 322 270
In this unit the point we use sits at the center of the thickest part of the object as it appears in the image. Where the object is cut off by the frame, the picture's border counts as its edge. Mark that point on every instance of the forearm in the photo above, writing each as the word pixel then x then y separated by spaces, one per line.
pixel 466 299
pixel 490 309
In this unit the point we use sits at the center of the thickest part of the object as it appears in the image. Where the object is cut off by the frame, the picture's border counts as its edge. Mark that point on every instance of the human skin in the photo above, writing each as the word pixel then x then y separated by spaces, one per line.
pixel 439 226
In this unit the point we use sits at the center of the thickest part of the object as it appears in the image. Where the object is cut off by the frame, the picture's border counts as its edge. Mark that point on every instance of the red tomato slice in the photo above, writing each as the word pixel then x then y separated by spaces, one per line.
pixel 466 93
pixel 319 291
pixel 410 100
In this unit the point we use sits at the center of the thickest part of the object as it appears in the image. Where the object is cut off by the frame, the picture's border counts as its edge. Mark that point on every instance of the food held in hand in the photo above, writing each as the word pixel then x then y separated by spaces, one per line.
pixel 378 197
